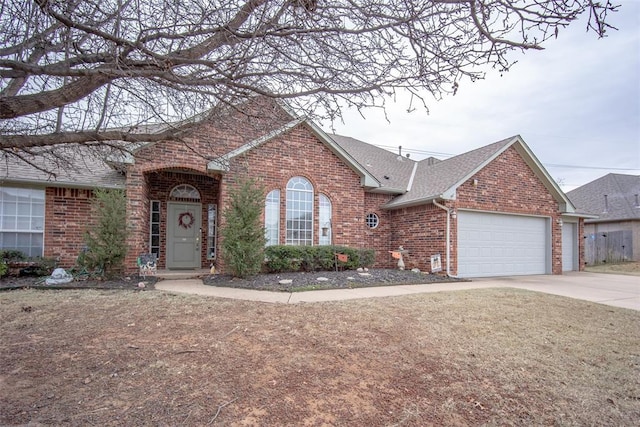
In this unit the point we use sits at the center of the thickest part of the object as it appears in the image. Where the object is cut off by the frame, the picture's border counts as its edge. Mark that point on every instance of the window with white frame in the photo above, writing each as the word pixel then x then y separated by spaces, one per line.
pixel 299 212
pixel 272 218
pixel 324 220
pixel 372 220
pixel 22 220
pixel 185 192
pixel 154 228
pixel 212 218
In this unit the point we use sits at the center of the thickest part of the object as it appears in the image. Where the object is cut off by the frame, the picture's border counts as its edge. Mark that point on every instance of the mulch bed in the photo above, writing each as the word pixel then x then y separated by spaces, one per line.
pixel 300 281
pixel 125 283
pixel 305 281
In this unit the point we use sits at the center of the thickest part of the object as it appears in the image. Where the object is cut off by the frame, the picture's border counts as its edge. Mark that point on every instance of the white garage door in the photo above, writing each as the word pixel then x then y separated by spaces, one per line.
pixel 501 245
pixel 569 243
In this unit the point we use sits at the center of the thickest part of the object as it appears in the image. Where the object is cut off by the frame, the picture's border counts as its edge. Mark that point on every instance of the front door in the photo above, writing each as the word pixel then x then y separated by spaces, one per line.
pixel 184 230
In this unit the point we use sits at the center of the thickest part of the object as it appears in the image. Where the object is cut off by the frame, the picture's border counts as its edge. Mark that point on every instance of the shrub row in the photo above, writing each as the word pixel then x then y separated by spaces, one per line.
pixel 16 263
pixel 282 258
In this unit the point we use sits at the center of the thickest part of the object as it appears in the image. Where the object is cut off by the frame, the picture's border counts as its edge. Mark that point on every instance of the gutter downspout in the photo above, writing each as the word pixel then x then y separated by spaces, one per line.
pixel 448 239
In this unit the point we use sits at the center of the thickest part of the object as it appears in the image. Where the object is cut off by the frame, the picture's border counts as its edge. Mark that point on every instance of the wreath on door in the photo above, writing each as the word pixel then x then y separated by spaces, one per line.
pixel 185 220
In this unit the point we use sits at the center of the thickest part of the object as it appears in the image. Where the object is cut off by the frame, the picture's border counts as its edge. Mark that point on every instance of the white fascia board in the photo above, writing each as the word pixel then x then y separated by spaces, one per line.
pixel 222 163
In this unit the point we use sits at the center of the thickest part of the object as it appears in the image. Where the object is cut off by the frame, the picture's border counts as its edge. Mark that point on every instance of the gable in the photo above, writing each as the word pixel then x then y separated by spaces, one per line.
pixel 222 164
pixel 507 183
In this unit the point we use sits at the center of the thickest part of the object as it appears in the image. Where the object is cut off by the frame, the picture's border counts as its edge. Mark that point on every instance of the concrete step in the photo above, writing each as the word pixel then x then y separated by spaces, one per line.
pixel 182 274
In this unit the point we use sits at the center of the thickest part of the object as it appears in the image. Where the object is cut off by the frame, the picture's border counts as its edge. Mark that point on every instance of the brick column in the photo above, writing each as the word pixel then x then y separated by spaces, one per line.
pixel 137 218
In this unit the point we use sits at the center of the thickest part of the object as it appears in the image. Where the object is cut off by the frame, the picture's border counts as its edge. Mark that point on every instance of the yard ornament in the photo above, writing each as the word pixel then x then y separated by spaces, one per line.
pixel 58 277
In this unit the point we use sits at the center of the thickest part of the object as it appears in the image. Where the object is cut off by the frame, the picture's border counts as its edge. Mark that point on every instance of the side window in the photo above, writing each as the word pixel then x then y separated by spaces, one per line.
pixel 324 220
pixel 372 220
pixel 272 217
pixel 154 228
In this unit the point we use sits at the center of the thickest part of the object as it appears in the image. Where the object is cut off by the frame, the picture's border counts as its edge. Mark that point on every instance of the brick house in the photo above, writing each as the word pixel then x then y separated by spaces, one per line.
pixel 489 212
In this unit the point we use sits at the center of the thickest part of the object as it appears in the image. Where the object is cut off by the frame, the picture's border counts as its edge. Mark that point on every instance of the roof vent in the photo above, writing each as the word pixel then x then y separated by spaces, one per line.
pixel 400 158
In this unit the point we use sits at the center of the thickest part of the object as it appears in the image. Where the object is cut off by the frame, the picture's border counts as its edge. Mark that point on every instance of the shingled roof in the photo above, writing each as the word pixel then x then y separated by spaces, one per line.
pixel 393 171
pixel 73 165
pixel 439 179
pixel 613 197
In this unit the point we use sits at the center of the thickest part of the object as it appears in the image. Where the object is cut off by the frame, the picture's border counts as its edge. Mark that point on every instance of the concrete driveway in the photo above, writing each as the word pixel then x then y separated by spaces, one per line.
pixel 611 289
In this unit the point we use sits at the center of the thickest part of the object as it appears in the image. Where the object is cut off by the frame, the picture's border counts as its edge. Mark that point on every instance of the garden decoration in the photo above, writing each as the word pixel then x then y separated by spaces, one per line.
pixel 397 254
pixel 59 277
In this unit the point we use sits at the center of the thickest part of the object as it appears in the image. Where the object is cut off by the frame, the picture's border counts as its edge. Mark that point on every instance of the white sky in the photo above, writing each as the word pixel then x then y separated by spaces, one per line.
pixel 576 103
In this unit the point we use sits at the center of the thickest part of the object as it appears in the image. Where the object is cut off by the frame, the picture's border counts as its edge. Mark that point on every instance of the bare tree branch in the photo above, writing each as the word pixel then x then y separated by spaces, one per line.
pixel 71 71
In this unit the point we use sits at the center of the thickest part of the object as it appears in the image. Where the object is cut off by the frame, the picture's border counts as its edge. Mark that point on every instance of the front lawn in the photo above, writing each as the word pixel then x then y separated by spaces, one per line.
pixel 493 356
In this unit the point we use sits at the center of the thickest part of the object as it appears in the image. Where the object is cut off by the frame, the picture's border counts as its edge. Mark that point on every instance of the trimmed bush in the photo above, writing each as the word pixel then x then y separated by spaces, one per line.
pixel 9 255
pixel 282 258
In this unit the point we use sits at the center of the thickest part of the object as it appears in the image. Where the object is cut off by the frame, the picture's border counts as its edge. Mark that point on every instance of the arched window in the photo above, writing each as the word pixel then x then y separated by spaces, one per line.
pixel 185 192
pixel 324 220
pixel 272 218
pixel 299 212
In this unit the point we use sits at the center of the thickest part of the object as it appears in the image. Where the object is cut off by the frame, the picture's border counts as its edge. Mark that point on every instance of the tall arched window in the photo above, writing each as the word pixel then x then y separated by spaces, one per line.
pixel 272 218
pixel 324 220
pixel 299 212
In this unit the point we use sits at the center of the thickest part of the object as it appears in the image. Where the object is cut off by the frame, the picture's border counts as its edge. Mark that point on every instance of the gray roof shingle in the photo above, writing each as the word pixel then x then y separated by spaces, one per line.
pixel 391 170
pixel 432 179
pixel 621 203
pixel 71 165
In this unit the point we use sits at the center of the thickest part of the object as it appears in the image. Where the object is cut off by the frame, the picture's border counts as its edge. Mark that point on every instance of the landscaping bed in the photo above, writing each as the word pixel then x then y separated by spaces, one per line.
pixel 304 281
pixel 299 281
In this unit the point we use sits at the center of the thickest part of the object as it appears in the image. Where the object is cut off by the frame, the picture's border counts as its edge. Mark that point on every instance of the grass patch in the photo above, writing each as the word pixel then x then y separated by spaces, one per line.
pixel 477 357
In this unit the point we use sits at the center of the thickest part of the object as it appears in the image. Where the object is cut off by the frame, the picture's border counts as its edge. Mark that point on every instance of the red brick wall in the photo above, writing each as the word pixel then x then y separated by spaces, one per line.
pixel 420 230
pixel 379 238
pixel 67 217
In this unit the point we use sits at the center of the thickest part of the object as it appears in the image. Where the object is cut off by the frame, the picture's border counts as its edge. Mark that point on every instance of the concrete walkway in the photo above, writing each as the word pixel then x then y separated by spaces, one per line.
pixel 610 289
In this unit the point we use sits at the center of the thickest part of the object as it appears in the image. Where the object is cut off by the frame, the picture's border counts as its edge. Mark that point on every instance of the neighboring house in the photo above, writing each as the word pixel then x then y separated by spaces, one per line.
pixel 615 234
pixel 490 212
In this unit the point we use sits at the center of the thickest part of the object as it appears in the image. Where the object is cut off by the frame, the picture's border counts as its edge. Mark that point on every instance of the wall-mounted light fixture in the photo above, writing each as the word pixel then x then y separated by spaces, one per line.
pixel 475 182
pixel 559 220
pixel 325 229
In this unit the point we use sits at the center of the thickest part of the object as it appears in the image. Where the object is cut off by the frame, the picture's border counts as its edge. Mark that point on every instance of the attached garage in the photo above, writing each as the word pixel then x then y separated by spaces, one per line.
pixel 491 244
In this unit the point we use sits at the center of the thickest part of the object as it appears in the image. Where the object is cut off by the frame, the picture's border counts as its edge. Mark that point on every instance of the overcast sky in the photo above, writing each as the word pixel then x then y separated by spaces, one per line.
pixel 577 104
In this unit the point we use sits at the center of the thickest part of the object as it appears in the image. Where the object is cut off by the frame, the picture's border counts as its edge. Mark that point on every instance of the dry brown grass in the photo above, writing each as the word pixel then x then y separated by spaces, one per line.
pixel 630 268
pixel 482 357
